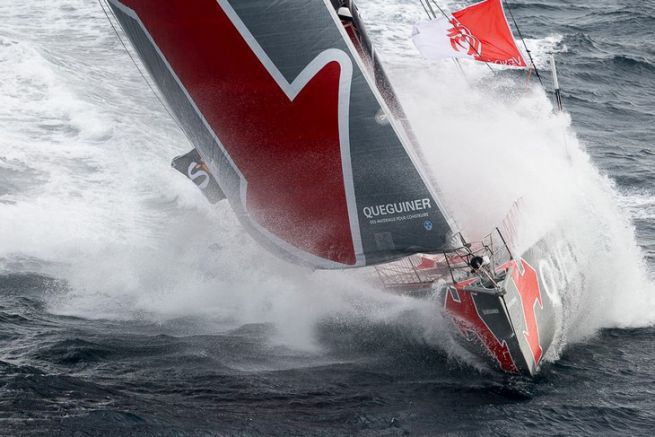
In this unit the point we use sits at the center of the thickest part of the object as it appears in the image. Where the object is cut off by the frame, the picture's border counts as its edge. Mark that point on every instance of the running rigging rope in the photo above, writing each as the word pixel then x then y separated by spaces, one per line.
pixel 425 9
pixel 440 9
pixel 518 30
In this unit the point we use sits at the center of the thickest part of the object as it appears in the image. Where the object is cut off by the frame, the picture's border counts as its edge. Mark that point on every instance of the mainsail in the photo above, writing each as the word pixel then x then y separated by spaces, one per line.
pixel 277 102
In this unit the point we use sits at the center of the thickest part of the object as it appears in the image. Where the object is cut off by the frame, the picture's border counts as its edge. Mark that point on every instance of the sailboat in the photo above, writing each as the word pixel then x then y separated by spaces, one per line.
pixel 294 121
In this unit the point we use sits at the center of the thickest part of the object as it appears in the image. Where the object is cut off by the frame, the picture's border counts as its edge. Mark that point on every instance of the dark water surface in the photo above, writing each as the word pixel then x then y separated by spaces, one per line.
pixel 74 375
pixel 64 375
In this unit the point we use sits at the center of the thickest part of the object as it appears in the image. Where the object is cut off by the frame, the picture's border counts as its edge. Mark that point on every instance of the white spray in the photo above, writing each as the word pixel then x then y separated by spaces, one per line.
pixel 92 199
pixel 490 140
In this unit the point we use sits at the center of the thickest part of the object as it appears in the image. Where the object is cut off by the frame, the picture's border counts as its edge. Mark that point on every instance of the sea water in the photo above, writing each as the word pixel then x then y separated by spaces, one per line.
pixel 129 305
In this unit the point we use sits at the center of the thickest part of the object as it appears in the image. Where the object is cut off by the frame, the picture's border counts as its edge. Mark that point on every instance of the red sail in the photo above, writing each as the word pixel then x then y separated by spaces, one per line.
pixel 287 148
pixel 484 28
pixel 273 97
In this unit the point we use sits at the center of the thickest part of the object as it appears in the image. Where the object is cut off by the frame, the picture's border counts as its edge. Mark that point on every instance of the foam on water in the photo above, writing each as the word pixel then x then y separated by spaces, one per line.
pixel 93 199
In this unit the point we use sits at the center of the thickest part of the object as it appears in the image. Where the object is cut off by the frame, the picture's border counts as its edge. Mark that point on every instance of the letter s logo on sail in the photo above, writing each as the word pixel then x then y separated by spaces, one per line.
pixel 194 172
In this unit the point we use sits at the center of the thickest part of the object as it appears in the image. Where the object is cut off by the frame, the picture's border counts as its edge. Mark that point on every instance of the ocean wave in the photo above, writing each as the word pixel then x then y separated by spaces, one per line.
pixel 635 65
pixel 639 202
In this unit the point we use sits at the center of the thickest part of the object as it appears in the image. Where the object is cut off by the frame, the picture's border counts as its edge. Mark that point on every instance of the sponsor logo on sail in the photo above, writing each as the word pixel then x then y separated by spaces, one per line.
pixel 388 209
pixel 462 38
pixel 196 171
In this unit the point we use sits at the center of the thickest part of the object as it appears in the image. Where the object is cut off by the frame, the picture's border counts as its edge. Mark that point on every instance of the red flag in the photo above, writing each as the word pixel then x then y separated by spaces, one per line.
pixel 483 30
pixel 479 32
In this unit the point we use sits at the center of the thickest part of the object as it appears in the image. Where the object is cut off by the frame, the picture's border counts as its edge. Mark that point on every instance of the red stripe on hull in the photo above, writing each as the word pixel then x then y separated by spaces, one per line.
pixel 527 284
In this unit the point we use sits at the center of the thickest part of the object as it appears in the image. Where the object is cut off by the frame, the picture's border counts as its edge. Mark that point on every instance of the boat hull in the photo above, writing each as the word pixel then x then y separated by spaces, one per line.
pixel 511 330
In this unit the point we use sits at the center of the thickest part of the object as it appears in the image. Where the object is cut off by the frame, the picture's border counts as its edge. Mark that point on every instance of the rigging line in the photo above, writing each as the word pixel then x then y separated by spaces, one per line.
pixel 425 9
pixel 161 102
pixel 438 7
pixel 427 2
pixel 518 30
pixel 448 18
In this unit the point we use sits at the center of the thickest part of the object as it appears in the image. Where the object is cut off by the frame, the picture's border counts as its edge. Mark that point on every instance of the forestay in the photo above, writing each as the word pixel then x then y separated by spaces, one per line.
pixel 275 99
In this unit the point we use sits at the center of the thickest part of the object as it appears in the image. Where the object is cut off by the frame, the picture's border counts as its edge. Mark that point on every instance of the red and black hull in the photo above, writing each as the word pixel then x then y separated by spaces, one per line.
pixel 511 330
